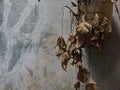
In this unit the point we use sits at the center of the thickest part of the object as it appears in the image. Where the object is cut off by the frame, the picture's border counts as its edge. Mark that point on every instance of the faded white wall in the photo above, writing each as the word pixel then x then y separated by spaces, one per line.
pixel 28 31
pixel 27 60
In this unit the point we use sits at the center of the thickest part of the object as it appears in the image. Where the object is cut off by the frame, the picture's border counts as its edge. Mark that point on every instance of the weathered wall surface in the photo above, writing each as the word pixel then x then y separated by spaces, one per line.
pixel 27 61
pixel 27 35
pixel 106 64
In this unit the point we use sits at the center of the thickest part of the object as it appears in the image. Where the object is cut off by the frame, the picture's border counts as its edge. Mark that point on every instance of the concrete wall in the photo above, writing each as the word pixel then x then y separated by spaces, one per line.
pixel 28 31
pixel 106 63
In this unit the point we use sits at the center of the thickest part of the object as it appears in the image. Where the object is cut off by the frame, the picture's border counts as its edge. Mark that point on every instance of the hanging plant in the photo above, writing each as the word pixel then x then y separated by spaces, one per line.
pixel 92 28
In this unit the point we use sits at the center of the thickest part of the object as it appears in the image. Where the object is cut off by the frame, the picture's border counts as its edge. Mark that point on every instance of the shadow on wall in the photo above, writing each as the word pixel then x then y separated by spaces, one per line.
pixel 106 64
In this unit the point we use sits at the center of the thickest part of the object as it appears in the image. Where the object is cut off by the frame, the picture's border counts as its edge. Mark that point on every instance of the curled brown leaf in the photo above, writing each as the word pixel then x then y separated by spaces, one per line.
pixel 64 61
pixel 77 85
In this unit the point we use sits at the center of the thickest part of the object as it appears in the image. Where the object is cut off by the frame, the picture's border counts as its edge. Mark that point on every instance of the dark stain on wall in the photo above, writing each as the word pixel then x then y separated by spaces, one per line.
pixel 106 63
pixel 1 11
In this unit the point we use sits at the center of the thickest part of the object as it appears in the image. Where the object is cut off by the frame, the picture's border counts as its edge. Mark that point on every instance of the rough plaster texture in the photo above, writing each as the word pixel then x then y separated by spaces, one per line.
pixel 28 31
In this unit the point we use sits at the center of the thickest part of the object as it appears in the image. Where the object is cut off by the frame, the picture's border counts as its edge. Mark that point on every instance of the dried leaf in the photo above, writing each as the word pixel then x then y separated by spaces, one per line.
pixel 89 26
pixel 64 61
pixel 83 27
pixel 60 52
pixel 79 64
pixel 76 54
pixel 61 42
pixel 62 46
pixel 77 44
pixel 73 62
pixel 92 86
pixel 72 37
pixel 95 20
pixel 71 48
pixel 83 75
pixel 77 85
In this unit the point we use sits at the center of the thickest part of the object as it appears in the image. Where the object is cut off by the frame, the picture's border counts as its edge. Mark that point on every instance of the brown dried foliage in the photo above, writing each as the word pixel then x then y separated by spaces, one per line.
pixel 92 33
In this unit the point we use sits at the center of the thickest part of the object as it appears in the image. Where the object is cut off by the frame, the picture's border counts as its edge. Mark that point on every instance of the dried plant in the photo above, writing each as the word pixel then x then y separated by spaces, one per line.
pixel 89 31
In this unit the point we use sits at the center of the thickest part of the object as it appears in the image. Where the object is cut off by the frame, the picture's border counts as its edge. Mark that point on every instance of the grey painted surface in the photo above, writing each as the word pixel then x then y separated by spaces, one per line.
pixel 106 63
pixel 28 31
